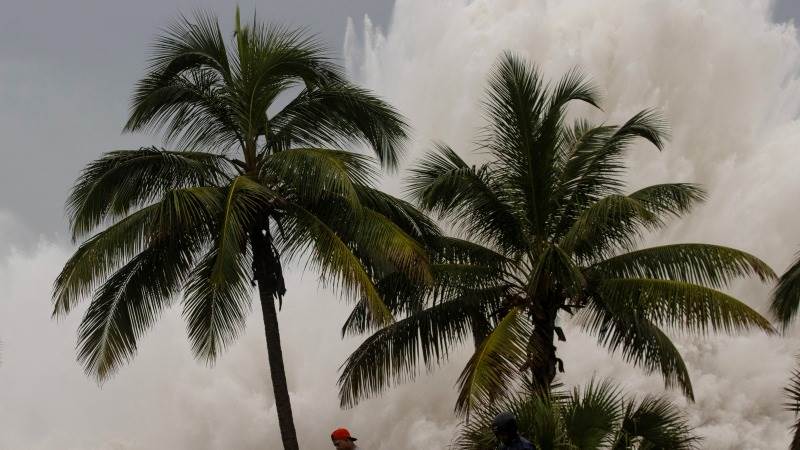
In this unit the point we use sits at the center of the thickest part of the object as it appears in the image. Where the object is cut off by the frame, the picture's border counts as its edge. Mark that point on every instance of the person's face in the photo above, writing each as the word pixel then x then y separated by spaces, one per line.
pixel 344 444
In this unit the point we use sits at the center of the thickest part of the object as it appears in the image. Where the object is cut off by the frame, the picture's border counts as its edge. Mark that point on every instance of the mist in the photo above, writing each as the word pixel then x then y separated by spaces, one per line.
pixel 724 75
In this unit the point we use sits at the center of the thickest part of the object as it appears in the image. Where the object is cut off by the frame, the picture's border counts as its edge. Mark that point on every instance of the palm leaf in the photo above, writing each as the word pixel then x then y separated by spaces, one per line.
pixel 595 417
pixel 178 212
pixel 786 296
pixel 336 262
pixel 188 44
pixel 98 257
pixel 612 222
pixel 444 184
pixel 379 239
pixel 710 265
pixel 591 415
pixel 127 304
pixel 494 367
pixel 393 353
pixel 216 302
pixel 181 91
pixel 684 306
pixel 192 110
pixel 446 249
pixel 673 199
pixel 654 423
pixel 340 114
pixel 538 419
pixel 793 396
pixel 217 294
pixel 402 213
pixel 593 163
pixel 124 180
pixel 314 174
pixel 640 341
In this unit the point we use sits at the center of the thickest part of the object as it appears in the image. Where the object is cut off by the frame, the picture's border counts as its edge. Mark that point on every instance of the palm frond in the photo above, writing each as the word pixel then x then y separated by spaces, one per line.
pixel 393 354
pixel 340 114
pixel 516 104
pixel 640 342
pixel 272 59
pixel 654 423
pixel 98 257
pixel 786 296
pixel 180 211
pixel 272 55
pixel 412 221
pixel 190 43
pixel 583 176
pixel 792 392
pixel 494 368
pixel 193 110
pixel 185 91
pixel 127 304
pixel 544 155
pixel 379 239
pixel 312 174
pixel 672 199
pixel 124 180
pixel 446 249
pixel 337 264
pixel 593 164
pixel 217 300
pixel 709 265
pixel 595 417
pixel 683 306
pixel 217 294
pixel 592 414
pixel 612 222
pixel 444 184
pixel 381 246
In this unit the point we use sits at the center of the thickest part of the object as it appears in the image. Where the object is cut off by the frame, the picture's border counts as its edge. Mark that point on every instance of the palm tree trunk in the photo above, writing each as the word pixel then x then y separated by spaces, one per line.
pixel 269 276
pixel 543 358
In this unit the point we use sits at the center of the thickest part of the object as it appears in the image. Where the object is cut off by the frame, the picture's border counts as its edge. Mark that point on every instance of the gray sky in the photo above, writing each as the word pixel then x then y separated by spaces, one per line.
pixel 787 9
pixel 66 72
pixel 67 69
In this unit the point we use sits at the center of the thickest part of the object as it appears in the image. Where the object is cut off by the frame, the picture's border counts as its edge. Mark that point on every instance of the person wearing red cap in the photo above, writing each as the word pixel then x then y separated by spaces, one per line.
pixel 342 440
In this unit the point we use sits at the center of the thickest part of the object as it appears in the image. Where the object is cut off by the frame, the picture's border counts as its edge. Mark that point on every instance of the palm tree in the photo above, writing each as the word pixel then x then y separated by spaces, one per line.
pixel 784 306
pixel 550 230
pixel 594 418
pixel 786 296
pixel 793 404
pixel 253 186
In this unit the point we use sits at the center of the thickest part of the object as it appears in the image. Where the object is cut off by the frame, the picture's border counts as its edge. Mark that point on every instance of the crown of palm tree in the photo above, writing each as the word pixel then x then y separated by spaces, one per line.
pixel 596 417
pixel 549 229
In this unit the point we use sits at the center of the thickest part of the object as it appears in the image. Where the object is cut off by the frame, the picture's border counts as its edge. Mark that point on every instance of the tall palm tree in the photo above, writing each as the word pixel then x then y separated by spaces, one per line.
pixel 251 187
pixel 793 404
pixel 597 417
pixel 786 296
pixel 785 305
pixel 550 230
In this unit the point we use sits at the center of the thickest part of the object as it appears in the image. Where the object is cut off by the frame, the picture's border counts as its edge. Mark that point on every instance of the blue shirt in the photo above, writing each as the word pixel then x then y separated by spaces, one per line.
pixel 519 443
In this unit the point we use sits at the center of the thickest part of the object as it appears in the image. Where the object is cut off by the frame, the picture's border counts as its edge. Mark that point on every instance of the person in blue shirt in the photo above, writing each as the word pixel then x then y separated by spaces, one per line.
pixel 504 428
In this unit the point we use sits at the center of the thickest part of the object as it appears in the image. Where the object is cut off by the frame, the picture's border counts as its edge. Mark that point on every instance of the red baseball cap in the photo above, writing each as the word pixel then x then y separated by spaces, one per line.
pixel 342 434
